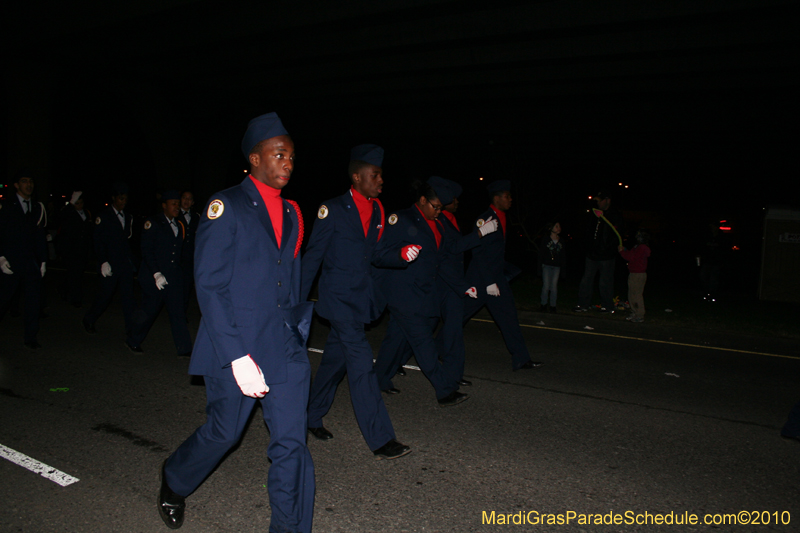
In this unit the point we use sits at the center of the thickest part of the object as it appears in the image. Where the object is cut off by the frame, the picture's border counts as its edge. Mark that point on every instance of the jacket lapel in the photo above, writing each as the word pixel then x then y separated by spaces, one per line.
pixel 288 226
pixel 256 203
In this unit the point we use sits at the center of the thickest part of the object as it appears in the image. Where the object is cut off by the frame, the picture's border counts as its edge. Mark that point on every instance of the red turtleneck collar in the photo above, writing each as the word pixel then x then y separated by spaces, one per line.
pixel 274 204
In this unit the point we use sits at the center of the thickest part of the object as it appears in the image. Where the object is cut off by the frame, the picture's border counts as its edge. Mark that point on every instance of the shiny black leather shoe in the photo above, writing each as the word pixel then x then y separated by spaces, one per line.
pixel 134 349
pixel 401 371
pixel 464 383
pixel 88 327
pixel 453 398
pixel 33 345
pixel 321 433
pixel 392 450
pixel 529 365
pixel 391 391
pixel 170 505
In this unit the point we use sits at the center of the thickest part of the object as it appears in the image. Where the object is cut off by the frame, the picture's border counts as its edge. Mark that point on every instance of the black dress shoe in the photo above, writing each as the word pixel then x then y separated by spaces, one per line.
pixel 134 348
pixel 170 505
pixel 321 433
pixel 89 327
pixel 391 391
pixel 392 450
pixel 186 354
pixel 33 345
pixel 401 371
pixel 453 398
pixel 464 383
pixel 529 365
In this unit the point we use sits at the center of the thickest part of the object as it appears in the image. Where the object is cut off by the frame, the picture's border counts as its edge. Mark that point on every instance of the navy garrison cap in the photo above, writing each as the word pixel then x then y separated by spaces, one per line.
pixel 455 187
pixel 443 189
pixel 369 153
pixel 119 188
pixel 170 195
pixel 260 129
pixel 499 186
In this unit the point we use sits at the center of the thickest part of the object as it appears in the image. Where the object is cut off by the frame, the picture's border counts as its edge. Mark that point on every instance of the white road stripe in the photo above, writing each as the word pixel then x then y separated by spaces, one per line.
pixel 317 350
pixel 56 476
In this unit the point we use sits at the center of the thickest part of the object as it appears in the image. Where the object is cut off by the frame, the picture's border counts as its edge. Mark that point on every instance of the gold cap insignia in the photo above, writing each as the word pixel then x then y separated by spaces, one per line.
pixel 480 222
pixel 147 225
pixel 392 219
pixel 215 209
pixel 323 211
pixel 97 221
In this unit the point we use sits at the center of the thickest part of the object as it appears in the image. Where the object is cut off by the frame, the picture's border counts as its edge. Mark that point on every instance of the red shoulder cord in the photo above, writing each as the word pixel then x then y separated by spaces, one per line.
pixel 383 219
pixel 300 227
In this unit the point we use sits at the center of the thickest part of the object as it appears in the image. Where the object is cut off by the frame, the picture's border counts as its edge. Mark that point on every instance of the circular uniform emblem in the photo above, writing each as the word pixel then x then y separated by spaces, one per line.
pixel 392 219
pixel 215 209
pixel 323 211
pixel 147 225
pixel 97 221
pixel 480 222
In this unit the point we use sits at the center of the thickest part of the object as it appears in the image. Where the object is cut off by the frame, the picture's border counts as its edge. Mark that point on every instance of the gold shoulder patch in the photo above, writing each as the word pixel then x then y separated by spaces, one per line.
pixel 480 222
pixel 97 221
pixel 147 225
pixel 392 219
pixel 215 209
pixel 323 211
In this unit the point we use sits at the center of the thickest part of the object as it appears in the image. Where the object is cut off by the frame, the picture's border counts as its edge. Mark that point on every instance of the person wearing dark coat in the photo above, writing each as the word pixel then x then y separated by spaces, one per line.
pixel 345 240
pixel 251 344
pixel 486 272
pixel 112 233
pixel 161 276
pixel 413 295
pixel 73 243
pixel 451 282
pixel 601 254
pixel 191 220
pixel 23 254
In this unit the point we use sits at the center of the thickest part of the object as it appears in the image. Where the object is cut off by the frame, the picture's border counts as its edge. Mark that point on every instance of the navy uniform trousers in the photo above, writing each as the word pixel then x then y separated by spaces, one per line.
pixel 284 409
pixel 153 300
pixel 348 351
pixel 30 279
pixel 504 312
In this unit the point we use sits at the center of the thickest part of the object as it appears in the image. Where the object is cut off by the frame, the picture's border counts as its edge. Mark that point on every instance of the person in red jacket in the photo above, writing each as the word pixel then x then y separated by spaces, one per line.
pixel 637 266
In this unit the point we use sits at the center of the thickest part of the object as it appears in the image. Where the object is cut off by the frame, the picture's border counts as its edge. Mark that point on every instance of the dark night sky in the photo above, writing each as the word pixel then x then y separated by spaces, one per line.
pixel 692 104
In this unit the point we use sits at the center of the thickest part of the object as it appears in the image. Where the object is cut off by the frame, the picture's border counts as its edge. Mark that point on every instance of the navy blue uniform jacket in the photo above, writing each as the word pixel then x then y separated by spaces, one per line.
pixel 111 240
pixel 413 290
pixel 348 286
pixel 22 237
pixel 488 259
pixel 248 288
pixel 452 270
pixel 162 250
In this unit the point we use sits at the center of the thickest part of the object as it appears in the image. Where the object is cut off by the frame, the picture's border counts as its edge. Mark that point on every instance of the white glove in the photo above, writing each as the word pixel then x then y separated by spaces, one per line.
pixel 472 292
pixel 161 281
pixel 43 269
pixel 410 252
pixel 493 290
pixel 5 266
pixel 105 269
pixel 249 377
pixel 489 226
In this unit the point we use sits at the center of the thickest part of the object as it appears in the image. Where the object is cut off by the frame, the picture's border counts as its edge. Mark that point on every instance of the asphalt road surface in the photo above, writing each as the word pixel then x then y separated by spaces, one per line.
pixel 624 422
